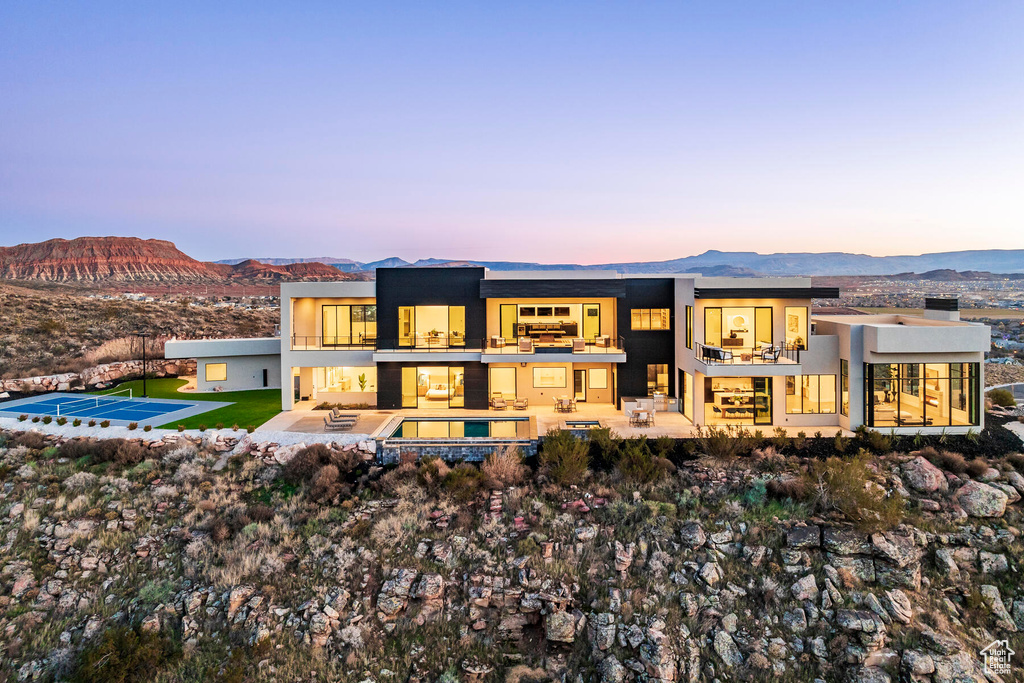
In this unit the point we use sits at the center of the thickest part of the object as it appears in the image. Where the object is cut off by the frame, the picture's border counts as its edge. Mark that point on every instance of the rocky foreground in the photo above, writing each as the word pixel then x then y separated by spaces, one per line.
pixel 182 563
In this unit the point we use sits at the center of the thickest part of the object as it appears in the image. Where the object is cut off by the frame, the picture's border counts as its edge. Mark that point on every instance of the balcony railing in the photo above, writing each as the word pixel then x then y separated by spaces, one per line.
pixel 430 344
pixel 332 343
pixel 741 355
pixel 530 346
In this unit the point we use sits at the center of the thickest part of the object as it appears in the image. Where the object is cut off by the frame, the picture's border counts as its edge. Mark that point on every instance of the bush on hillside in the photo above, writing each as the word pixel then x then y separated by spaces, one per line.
pixel 1002 397
pixel 847 487
pixel 124 655
pixel 564 456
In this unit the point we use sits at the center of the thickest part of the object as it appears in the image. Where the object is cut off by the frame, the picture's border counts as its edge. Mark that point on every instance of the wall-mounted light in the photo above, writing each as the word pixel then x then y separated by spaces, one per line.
pixel 522 365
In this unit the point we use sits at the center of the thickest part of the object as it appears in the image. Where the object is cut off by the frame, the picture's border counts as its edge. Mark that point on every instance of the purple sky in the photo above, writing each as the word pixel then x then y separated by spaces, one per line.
pixel 584 132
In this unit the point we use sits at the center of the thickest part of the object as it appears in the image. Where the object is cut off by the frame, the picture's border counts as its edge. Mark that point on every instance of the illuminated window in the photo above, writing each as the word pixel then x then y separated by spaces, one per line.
pixel 657 379
pixel 811 394
pixel 649 318
pixel 216 372
pixel 598 378
pixel 549 378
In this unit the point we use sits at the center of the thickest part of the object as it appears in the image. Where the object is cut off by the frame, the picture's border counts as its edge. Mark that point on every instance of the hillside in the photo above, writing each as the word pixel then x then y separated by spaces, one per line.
pixel 715 262
pixel 308 564
pixel 131 259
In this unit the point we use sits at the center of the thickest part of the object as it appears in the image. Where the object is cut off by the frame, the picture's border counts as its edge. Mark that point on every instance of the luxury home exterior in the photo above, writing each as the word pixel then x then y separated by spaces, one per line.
pixel 722 351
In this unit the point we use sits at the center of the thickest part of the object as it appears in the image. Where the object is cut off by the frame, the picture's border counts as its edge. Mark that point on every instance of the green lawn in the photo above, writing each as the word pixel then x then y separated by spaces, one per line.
pixel 247 407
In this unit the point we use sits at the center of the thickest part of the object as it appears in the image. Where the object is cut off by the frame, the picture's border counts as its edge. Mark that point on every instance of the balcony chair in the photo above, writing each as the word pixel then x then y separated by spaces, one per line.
pixel 521 403
pixel 525 345
pixel 603 341
pixel 770 354
pixel 497 342
pixel 498 403
pixel 579 345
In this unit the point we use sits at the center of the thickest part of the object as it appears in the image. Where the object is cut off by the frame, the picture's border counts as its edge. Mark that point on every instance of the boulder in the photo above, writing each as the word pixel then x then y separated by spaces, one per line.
pixel 692 535
pixel 726 648
pixel 981 500
pixel 804 536
pixel 923 476
pixel 560 627
pixel 805 589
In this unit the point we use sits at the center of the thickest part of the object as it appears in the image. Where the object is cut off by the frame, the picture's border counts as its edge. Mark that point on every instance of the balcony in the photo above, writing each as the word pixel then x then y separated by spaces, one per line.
pixel 315 343
pixel 779 359
pixel 422 348
pixel 551 349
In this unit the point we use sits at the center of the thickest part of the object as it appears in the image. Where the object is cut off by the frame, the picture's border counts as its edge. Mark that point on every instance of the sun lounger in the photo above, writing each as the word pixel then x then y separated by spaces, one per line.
pixel 338 425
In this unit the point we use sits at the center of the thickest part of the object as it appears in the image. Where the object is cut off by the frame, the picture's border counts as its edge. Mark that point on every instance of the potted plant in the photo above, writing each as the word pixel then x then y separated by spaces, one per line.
pixel 362 382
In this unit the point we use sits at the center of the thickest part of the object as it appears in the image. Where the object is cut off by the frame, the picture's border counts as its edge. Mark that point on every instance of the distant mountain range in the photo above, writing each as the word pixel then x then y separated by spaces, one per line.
pixel 130 259
pixel 734 263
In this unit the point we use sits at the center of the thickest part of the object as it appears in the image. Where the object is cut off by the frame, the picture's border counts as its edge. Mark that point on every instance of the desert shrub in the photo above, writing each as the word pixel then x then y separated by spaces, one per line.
pixel 119 452
pixel 105 424
pixel 80 481
pixel 944 460
pixel 431 471
pixel 92 423
pixel 874 441
pixel 1016 461
pixel 463 482
pixel 188 473
pixel 564 456
pixel 1002 397
pixel 326 484
pixel 261 513
pixel 124 655
pixel 31 440
pixel 35 418
pixel 794 489
pixel 637 463
pixel 250 429
pixel 181 428
pixel 756 495
pixel 663 446
pixel 505 467
pixel 604 448
pixel 846 486
pixel 306 463
pixel 76 422
pixel 977 467
pixel 22 418
pixel 132 426
pixel 724 443
pixel 201 427
pixel 219 425
pixel 47 419
pixel 779 438
pixel 62 421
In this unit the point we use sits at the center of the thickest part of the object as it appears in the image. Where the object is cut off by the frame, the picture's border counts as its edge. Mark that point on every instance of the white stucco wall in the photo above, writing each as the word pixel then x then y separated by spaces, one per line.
pixel 243 372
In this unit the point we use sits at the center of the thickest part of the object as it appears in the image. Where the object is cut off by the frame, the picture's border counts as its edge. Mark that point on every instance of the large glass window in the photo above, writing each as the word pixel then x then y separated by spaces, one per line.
pixel 650 318
pixel 689 327
pixel 344 325
pixel 431 326
pixel 657 379
pixel 921 395
pixel 687 395
pixel 346 379
pixel 738 400
pixel 810 394
pixel 796 327
pixel 739 327
pixel 844 387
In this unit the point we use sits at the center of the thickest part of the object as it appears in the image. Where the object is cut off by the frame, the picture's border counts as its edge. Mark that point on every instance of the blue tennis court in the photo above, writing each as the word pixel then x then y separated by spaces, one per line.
pixel 121 410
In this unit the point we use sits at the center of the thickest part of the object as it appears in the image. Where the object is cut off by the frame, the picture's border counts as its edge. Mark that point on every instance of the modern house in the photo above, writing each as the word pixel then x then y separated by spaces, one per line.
pixel 722 351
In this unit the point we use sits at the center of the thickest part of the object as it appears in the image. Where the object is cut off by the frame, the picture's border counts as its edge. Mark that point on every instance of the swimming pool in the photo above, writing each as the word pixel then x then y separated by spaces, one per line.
pixel 448 428
pixel 120 411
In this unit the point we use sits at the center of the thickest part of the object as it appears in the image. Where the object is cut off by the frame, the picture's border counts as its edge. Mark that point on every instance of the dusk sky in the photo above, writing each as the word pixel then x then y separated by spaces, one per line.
pixel 556 132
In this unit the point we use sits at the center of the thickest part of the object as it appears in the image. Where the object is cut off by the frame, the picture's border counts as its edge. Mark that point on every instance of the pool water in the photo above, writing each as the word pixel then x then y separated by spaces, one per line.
pixel 444 428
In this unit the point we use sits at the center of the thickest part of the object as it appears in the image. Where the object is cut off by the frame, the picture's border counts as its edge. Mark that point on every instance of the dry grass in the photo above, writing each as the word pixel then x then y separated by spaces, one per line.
pixel 505 467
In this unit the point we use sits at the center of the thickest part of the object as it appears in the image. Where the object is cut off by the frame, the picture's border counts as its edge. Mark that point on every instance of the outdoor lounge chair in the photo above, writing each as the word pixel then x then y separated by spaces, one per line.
pixel 338 425
pixel 770 354
pixel 498 403
pixel 338 415
pixel 521 403
pixel 525 345
pixel 579 345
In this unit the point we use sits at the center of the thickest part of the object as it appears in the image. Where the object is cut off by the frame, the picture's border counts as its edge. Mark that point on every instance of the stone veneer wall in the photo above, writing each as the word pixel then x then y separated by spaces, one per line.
pixel 390 452
pixel 99 376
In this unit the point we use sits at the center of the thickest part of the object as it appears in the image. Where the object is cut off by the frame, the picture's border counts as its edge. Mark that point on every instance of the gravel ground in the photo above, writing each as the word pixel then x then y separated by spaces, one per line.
pixel 283 438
